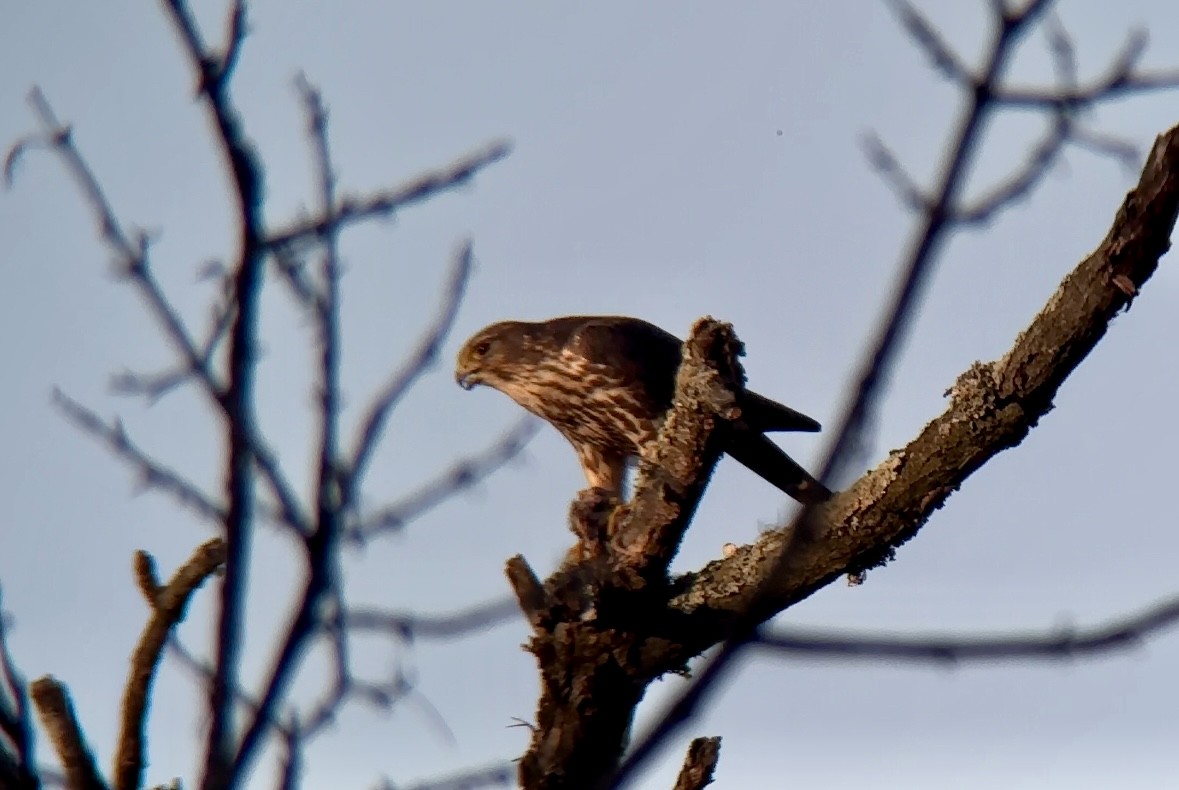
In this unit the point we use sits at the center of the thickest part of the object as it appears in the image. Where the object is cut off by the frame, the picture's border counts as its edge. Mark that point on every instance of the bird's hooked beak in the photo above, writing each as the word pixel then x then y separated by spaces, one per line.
pixel 467 373
pixel 466 380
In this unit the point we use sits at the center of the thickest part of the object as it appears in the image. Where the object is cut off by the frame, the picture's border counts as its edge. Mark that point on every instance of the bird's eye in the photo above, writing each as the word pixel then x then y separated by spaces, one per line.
pixel 482 348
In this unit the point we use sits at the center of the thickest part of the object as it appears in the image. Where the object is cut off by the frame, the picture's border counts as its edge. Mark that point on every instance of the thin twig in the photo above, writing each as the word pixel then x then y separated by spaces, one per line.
pixel 15 720
pixel 178 651
pixel 419 361
pixel 152 473
pixel 1053 645
pixel 153 386
pixel 411 626
pixel 463 474
pixel 352 210
pixel 494 775
pixel 168 604
pixel 134 263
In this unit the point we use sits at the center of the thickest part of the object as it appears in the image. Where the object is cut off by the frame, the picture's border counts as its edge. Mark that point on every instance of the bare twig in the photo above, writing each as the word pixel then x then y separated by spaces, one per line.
pixel 132 255
pixel 329 495
pixel 930 41
pixel 464 474
pixel 530 593
pixel 152 473
pixel 411 626
pixel 291 268
pixel 352 210
pixel 1053 645
pixel 168 604
pixel 16 727
pixel 178 651
pixel 495 775
pixel 292 759
pixel 419 361
pixel 885 163
pixel 699 764
pixel 155 385
pixel 57 717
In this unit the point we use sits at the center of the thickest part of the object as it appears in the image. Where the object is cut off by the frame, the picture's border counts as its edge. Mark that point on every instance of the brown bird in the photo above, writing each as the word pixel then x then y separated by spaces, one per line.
pixel 606 383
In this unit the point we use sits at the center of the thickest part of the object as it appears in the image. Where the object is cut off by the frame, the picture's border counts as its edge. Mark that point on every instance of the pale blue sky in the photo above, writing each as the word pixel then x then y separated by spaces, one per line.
pixel 648 178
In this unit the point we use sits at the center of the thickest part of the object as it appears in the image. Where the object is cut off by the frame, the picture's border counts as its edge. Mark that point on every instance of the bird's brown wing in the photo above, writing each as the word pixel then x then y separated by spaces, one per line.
pixel 765 458
pixel 762 414
pixel 640 353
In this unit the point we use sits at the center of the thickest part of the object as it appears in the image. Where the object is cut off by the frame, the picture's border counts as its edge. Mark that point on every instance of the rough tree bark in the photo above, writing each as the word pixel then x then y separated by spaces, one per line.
pixel 609 622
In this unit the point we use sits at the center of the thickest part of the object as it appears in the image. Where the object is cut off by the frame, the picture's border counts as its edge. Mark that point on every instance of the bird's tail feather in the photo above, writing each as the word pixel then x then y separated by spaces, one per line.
pixel 758 453
pixel 762 414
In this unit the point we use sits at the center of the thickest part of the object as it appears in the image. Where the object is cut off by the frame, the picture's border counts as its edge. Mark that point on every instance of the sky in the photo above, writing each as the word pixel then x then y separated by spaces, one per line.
pixel 670 160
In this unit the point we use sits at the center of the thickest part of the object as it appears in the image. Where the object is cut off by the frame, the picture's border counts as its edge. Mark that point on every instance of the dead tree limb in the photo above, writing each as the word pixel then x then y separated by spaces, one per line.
pixel 699 764
pixel 590 618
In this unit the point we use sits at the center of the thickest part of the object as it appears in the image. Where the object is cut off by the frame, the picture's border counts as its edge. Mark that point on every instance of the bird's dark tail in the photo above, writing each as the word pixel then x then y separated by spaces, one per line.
pixel 762 414
pixel 765 458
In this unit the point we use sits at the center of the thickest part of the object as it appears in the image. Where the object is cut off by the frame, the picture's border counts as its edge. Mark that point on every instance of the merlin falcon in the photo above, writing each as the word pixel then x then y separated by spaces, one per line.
pixel 606 383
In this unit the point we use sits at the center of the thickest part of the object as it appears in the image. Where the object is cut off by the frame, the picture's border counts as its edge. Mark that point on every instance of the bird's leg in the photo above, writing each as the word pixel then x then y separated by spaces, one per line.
pixel 589 520
pixel 603 469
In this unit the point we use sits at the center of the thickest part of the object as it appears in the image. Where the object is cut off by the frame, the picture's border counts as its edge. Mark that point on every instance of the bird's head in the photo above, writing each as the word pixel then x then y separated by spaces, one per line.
pixel 492 355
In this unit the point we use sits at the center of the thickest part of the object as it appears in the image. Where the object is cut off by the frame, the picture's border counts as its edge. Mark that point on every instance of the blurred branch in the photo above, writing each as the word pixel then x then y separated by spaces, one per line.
pixel 351 210
pixel 411 626
pixel 57 717
pixel 464 474
pixel 228 380
pixel 183 656
pixel 329 495
pixel 152 473
pixel 154 386
pixel 134 264
pixel 17 767
pixel 418 363
pixel 1064 127
pixel 168 604
pixel 320 552
pixel 1058 644
pixel 494 775
pixel 292 760
pixel 222 767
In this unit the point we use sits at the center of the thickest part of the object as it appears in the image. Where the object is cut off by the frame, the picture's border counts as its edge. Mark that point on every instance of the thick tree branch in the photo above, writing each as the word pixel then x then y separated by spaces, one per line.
pixel 648 531
pixel 938 218
pixel 589 618
pixel 992 408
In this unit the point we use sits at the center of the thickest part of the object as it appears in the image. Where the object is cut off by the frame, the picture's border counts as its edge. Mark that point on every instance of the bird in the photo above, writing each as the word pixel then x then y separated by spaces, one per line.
pixel 607 382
